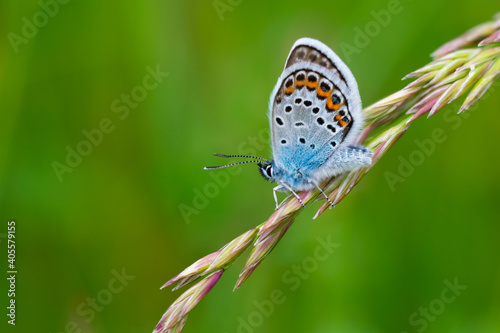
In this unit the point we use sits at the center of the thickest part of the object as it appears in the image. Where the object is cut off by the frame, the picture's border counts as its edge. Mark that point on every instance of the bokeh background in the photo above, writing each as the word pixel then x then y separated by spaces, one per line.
pixel 121 206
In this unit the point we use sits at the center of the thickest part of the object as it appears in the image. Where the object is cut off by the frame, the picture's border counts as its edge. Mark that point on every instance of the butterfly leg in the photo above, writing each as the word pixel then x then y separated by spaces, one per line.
pixel 295 194
pixel 324 194
pixel 277 188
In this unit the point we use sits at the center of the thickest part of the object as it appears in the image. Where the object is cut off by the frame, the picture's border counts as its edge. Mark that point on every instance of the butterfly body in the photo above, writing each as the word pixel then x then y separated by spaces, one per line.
pixel 315 117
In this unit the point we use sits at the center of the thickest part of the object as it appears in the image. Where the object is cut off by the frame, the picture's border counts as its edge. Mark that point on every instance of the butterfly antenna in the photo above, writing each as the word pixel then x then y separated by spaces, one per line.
pixel 246 156
pixel 228 165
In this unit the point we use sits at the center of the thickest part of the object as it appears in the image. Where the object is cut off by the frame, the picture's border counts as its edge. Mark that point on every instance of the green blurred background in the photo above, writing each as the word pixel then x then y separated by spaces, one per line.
pixel 120 207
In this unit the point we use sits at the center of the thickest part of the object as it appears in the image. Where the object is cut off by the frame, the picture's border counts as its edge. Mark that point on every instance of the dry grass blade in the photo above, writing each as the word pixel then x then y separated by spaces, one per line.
pixel 468 65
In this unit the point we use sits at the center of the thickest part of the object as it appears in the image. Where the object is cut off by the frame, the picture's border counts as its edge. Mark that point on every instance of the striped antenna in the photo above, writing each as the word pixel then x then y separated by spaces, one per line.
pixel 228 165
pixel 245 156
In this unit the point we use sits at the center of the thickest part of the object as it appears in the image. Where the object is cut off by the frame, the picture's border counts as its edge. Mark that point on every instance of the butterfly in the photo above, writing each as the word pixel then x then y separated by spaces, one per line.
pixel 315 117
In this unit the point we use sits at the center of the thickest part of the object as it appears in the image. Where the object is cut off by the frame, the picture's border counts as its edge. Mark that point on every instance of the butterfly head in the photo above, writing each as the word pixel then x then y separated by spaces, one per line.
pixel 267 171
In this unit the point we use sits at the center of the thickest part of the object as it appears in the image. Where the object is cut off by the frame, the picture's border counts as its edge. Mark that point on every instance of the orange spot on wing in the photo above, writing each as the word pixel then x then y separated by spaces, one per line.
pixel 331 106
pixel 338 118
pixel 289 90
pixel 311 85
pixel 322 93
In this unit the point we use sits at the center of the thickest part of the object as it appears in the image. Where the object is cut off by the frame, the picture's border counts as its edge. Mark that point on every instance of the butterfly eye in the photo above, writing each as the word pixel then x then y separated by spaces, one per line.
pixel 269 171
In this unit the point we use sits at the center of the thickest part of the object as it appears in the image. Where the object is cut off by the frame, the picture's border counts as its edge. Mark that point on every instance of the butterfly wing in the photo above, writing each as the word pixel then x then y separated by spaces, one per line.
pixel 315 108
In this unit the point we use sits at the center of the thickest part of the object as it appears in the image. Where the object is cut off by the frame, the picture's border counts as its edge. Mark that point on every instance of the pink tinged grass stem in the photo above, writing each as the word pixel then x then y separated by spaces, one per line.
pixel 186 302
pixel 192 272
pixel 475 34
pixel 474 74
pixel 432 95
pixel 262 247
pixel 482 85
pixel 492 39
pixel 445 98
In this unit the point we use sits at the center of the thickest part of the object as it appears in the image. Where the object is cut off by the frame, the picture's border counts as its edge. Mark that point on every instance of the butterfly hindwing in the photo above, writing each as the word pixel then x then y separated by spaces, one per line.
pixel 312 107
